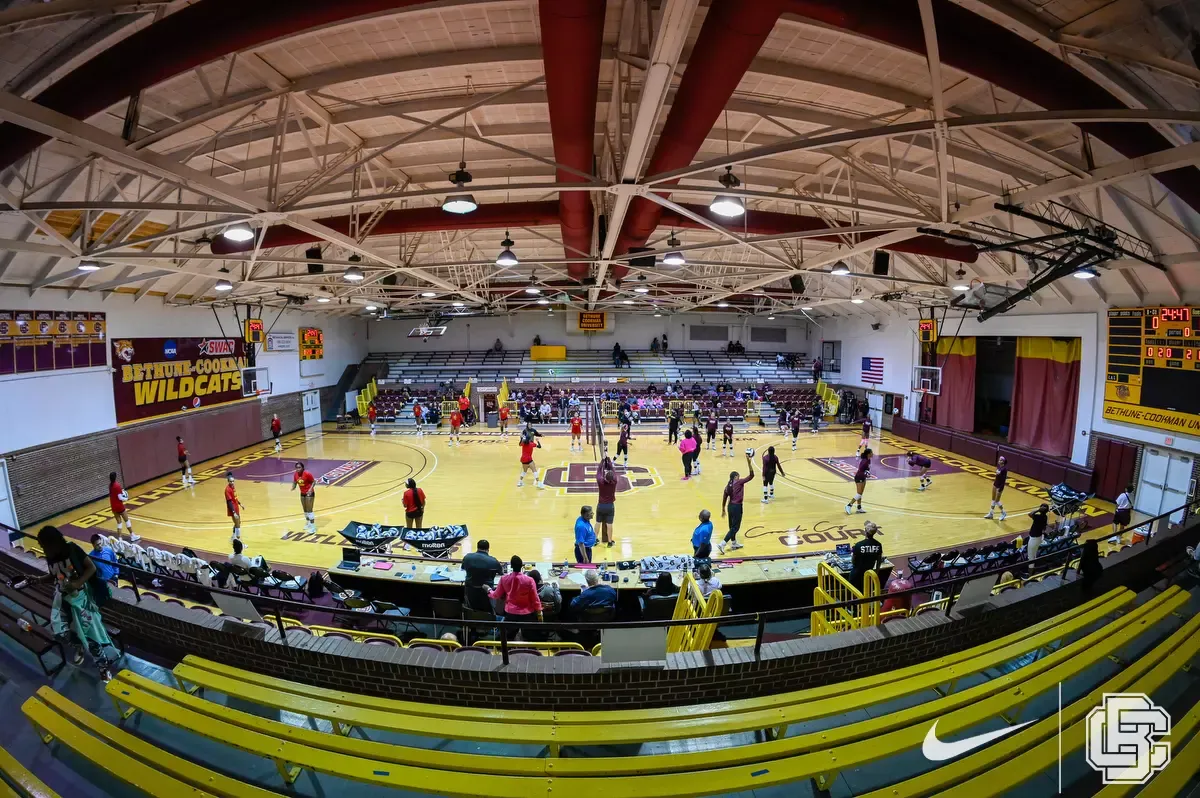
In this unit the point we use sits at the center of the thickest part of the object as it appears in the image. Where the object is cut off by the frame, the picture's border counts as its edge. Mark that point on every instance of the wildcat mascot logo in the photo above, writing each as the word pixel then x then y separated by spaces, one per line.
pixel 123 349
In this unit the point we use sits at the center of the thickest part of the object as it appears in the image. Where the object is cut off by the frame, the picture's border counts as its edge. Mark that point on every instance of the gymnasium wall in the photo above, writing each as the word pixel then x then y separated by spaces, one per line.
pixel 631 330
pixel 63 405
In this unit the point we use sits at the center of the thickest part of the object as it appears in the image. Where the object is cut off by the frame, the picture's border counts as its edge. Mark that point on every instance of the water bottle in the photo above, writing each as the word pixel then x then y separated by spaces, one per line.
pixel 24 624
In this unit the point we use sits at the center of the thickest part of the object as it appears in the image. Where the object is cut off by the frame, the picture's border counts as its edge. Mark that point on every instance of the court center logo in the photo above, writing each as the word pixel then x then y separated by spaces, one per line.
pixel 1122 738
pixel 579 478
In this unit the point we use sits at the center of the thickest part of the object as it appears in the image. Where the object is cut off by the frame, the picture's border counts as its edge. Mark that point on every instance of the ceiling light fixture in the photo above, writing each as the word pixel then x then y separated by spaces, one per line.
pixel 641 289
pixel 371 308
pixel 840 269
pixel 89 266
pixel 239 232
pixel 428 294
pixel 722 304
pixel 770 318
pixel 457 304
pixel 725 204
pixel 323 299
pixel 961 287
pixel 1086 273
pixel 626 301
pixel 223 285
pixel 532 290
pixel 674 257
pixel 352 274
pixel 806 307
pixel 857 300
pixel 506 256
pixel 543 301
pixel 459 203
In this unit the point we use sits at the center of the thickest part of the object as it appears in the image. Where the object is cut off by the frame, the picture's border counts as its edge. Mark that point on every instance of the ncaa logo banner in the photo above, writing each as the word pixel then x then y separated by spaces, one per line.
pixel 160 376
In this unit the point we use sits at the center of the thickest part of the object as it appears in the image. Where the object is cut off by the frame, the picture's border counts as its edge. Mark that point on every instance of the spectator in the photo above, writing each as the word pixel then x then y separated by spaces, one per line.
pixel 519 593
pixel 654 345
pixel 549 593
pixel 498 346
pixel 778 359
pixel 595 594
pixel 239 559
pixel 702 536
pixel 616 356
pixel 816 370
pixel 707 582
pixel 866 555
pixel 537 340
pixel 664 343
pixel 544 412
pixel 896 583
pixel 625 360
pixel 453 638
pixel 585 535
pixel 105 559
pixel 1089 565
pixel 687 448
pixel 481 568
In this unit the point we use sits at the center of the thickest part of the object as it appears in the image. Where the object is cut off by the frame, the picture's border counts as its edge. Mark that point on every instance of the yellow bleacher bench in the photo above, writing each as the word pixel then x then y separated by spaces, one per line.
pixel 19 782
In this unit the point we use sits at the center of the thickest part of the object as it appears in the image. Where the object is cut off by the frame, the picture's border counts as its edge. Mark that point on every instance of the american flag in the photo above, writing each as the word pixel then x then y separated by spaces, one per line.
pixel 872 370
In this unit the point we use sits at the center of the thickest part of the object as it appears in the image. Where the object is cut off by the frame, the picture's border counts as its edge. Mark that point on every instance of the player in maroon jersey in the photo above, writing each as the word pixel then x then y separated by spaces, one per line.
pixel 710 432
pixel 866 435
pixel 727 439
pixel 922 462
pixel 998 489
pixel 860 481
pixel 771 465
pixel 306 482
pixel 699 445
pixel 795 424
pixel 276 431
pixel 606 487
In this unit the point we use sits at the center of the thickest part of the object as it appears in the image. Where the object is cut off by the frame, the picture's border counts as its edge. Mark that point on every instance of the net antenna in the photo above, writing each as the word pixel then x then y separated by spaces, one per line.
pixel 600 446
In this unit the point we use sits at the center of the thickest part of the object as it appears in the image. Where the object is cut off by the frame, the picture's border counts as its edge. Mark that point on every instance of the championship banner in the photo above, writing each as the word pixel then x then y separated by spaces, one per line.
pixel 434 541
pixel 159 376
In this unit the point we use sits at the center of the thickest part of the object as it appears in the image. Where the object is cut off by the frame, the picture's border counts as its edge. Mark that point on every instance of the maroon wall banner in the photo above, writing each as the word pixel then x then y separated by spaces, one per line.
pixel 50 340
pixel 159 376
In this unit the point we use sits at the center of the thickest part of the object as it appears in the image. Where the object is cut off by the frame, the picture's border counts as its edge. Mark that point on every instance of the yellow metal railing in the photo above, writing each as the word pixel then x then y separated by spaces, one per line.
pixel 694 606
pixel 366 396
pixel 833 588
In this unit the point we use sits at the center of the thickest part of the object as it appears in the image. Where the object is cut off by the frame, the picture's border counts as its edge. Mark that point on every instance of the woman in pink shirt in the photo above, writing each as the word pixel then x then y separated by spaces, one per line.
pixel 520 594
pixel 688 447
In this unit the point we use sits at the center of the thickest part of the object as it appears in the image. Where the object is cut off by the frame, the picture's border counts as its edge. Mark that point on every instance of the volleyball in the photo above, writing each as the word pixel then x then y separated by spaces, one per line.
pixel 750 452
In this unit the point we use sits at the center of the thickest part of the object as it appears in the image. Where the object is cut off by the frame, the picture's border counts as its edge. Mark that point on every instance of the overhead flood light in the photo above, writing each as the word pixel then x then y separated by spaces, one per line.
pixel 240 232
pixel 323 299
pixel 726 204
pixel 457 304
pixel 543 301
pixel 223 285
pixel 840 269
pixel 770 318
pixel 532 290
pixel 722 304
pixel 461 202
pixel 641 289
pixel 626 301
pixel 89 266
pixel 428 294
pixel 806 307
pixel 506 256
pixel 1087 273
pixel 857 300
pixel 352 274
pixel 674 257
pixel 961 287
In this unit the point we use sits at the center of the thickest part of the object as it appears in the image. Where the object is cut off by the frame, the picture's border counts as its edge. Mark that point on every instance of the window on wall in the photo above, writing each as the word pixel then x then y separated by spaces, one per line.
pixel 768 335
pixel 705 333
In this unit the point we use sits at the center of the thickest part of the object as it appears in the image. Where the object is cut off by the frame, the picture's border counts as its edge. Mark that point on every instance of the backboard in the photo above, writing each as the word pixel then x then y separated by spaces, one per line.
pixel 256 381
pixel 927 379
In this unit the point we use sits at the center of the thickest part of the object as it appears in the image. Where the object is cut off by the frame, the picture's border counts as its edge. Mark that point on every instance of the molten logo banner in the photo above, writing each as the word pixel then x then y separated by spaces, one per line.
pixel 159 376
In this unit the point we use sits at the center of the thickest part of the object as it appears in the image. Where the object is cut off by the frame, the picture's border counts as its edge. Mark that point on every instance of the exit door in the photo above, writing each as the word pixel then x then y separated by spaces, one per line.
pixel 1165 482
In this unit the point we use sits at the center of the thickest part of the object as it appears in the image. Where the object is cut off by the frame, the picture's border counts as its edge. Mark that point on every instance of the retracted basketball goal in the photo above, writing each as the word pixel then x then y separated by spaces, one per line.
pixel 256 381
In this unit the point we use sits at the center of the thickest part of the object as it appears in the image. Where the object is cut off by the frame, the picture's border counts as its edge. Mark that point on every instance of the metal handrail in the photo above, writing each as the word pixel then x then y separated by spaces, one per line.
pixel 760 619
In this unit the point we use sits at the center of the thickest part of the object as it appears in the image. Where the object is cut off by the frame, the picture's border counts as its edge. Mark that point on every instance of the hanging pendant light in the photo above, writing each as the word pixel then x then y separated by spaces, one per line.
pixel 240 232
pixel 728 205
pixel 506 256
pixel 840 269
pixel 674 257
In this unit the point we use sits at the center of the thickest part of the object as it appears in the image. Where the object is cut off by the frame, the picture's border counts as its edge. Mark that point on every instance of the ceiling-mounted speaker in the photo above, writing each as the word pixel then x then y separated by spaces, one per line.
pixel 602 230
pixel 880 263
pixel 797 283
pixel 389 280
pixel 314 257
pixel 642 261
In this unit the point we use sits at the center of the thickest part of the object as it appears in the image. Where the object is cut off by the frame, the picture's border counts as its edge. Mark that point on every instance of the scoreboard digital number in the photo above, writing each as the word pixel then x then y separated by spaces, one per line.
pixel 927 330
pixel 1153 372
pixel 255 332
pixel 312 343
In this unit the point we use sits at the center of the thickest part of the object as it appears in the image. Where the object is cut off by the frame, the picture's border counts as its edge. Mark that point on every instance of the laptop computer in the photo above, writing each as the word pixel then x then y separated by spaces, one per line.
pixel 351 559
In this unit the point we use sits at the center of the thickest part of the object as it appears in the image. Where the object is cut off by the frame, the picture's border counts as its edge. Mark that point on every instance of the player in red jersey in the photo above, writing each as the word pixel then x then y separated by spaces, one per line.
pixel 464 406
pixel 116 500
pixel 504 413
pixel 456 420
pixel 866 435
pixel 576 431
pixel 529 442
pixel 276 431
pixel 860 481
pixel 727 439
pixel 710 432
pixel 418 416
pixel 371 415
pixel 306 482
pixel 233 506
pixel 185 467
pixel 923 463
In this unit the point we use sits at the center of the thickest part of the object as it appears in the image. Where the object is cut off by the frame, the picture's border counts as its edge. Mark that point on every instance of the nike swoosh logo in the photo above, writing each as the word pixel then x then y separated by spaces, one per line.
pixel 938 751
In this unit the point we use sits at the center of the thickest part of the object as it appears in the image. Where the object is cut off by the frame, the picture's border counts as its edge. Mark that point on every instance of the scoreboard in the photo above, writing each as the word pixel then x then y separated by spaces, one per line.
pixel 1153 371
pixel 312 343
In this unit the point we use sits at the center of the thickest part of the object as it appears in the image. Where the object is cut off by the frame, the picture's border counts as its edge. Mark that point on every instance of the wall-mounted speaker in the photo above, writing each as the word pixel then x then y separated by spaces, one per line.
pixel 880 263
pixel 797 283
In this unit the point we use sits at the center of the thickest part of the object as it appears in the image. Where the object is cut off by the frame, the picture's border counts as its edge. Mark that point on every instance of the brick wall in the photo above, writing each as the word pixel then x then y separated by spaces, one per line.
pixel 51 479
pixel 170 631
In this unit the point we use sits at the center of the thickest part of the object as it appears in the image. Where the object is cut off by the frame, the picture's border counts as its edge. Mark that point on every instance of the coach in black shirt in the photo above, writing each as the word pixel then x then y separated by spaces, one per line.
pixel 481 568
pixel 866 554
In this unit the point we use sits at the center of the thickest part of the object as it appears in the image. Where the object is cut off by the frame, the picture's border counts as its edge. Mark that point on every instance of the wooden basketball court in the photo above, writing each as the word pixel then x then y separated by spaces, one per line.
pixel 475 484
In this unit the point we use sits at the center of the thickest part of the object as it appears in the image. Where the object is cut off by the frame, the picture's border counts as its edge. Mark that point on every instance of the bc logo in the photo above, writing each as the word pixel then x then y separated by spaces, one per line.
pixel 579 478
pixel 1122 739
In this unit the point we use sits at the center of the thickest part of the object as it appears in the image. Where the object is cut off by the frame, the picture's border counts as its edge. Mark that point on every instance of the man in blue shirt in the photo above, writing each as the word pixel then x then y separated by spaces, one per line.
pixel 596 594
pixel 702 536
pixel 102 555
pixel 585 535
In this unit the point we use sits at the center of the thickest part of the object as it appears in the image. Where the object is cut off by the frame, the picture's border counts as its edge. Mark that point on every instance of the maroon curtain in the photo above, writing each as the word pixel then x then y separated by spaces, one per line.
pixel 956 402
pixel 1046 394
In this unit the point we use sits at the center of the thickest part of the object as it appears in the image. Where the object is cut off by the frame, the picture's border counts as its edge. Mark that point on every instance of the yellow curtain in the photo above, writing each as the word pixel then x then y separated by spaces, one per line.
pixel 1069 350
pixel 957 346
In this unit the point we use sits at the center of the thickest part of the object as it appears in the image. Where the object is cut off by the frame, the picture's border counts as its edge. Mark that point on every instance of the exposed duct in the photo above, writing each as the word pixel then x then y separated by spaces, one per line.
pixel 572 38
pixel 532 214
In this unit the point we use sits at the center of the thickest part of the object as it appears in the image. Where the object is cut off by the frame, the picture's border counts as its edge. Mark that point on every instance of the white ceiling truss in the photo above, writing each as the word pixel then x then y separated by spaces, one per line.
pixel 368 117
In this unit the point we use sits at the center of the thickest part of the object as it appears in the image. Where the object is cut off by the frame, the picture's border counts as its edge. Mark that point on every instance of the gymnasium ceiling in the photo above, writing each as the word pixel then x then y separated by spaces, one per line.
pixel 135 131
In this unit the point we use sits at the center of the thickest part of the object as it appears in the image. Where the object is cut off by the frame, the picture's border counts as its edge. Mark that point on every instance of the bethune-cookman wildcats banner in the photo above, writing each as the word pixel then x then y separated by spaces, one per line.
pixel 158 376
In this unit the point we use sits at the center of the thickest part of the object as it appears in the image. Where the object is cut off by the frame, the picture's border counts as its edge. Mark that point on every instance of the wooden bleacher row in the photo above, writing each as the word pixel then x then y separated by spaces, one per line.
pixel 1048 653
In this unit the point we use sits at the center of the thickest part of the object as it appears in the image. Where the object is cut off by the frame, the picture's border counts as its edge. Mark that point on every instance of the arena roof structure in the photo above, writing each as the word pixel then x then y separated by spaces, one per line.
pixel 492 156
